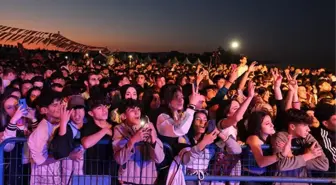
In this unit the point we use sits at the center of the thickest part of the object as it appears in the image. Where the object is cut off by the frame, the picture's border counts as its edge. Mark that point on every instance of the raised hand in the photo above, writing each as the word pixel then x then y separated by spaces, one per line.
pixel 200 77
pixel 18 114
pixel 277 78
pixel 233 75
pixel 292 83
pixel 195 97
pixel 65 115
pixel 251 89
pixel 252 67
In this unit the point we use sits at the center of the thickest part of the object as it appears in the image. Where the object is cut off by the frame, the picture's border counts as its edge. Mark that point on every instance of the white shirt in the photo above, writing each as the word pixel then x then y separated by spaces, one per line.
pixel 38 145
pixel 242 69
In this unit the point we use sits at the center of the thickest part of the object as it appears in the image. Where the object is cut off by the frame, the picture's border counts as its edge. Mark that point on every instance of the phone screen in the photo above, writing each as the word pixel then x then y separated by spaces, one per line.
pixel 211 126
pixel 23 103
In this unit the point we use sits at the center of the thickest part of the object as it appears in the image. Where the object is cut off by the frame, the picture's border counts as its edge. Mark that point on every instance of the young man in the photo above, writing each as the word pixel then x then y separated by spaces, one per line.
pixel 9 75
pixel 57 77
pixel 135 142
pixel 66 142
pixel 122 80
pixel 97 129
pixel 242 66
pixel 160 81
pixel 90 81
pixel 38 81
pixel 219 81
pixel 141 80
pixel 326 135
pixel 309 157
pixel 44 168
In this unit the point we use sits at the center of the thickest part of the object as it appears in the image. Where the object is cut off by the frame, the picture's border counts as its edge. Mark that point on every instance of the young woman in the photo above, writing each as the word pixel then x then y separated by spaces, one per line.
pixel 200 138
pixel 260 128
pixel 32 94
pixel 233 112
pixel 16 122
pixel 174 123
pixel 128 92
pixel 151 103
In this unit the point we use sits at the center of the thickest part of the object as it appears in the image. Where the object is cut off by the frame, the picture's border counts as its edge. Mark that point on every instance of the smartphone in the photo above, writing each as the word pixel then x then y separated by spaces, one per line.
pixel 143 124
pixel 23 103
pixel 211 126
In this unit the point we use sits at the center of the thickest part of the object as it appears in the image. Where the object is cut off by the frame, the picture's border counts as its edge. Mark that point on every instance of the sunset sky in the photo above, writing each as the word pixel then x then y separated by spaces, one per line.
pixel 286 30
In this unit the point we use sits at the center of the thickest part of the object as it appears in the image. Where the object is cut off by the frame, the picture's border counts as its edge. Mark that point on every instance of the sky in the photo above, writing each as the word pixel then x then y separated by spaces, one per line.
pixel 290 31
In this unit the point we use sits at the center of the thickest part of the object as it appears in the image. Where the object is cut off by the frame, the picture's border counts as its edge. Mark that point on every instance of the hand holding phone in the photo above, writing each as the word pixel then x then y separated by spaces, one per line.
pixel 23 105
pixel 19 113
pixel 211 126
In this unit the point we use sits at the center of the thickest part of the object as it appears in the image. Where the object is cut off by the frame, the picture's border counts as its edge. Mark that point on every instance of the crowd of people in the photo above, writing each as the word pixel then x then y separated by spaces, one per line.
pixel 162 122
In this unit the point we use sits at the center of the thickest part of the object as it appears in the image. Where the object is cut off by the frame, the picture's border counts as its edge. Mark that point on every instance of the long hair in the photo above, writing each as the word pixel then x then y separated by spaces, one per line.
pixel 167 94
pixel 146 100
pixel 30 103
pixel 124 88
pixel 191 133
pixel 223 109
pixel 254 122
pixel 4 117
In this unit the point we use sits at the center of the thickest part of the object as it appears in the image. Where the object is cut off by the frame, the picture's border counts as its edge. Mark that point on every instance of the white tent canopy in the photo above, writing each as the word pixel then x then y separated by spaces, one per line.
pixel 174 61
pixel 186 61
pixel 148 59
pixel 168 63
pixel 198 61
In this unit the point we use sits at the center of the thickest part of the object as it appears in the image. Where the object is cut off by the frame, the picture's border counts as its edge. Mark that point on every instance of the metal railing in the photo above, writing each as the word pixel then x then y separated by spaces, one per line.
pixel 210 177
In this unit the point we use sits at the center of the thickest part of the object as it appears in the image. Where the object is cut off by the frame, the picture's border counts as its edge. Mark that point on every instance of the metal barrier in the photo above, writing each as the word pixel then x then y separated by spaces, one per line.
pixel 111 178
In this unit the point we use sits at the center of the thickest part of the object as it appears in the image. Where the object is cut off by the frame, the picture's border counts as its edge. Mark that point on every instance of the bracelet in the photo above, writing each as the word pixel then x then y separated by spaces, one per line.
pixel 296 102
pixel 230 81
pixel 191 106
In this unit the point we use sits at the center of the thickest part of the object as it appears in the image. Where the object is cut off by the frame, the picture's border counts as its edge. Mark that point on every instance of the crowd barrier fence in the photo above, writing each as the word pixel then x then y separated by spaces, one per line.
pixel 10 169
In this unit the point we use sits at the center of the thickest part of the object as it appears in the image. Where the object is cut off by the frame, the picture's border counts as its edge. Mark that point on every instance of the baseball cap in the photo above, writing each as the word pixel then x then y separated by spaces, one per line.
pixel 76 102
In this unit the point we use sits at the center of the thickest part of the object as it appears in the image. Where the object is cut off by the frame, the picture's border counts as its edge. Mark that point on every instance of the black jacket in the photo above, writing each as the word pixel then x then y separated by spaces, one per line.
pixel 62 146
pixel 327 139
